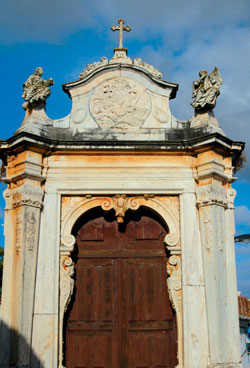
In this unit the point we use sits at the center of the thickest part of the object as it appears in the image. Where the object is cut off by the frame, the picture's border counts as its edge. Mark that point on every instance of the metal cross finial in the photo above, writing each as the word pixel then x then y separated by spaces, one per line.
pixel 120 28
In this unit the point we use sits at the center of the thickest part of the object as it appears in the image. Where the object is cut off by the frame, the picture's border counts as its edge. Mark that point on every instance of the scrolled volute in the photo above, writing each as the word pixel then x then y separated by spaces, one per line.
pixel 174 281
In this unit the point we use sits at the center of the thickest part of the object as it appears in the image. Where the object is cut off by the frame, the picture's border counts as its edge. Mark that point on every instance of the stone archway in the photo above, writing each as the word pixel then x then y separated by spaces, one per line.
pixel 165 207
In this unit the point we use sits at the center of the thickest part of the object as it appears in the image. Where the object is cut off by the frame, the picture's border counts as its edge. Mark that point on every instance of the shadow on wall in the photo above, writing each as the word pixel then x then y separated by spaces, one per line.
pixel 15 351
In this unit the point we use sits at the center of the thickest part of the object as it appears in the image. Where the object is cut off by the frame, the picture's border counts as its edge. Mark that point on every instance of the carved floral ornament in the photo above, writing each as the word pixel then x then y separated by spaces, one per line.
pixel 166 207
pixel 120 58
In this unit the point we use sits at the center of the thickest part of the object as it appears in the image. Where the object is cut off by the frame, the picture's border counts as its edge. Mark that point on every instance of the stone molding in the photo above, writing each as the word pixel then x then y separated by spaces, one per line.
pixel 167 207
pixel 211 194
pixel 225 365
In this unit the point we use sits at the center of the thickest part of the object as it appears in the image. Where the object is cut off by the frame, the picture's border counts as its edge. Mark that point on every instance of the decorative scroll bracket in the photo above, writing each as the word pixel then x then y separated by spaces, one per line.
pixel 66 292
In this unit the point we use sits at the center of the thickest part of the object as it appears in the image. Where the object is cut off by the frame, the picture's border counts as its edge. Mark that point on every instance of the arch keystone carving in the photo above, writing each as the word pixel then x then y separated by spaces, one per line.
pixel 120 203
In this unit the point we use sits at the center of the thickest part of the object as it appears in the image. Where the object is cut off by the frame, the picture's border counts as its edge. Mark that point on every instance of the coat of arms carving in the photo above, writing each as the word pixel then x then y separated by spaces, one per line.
pixel 120 103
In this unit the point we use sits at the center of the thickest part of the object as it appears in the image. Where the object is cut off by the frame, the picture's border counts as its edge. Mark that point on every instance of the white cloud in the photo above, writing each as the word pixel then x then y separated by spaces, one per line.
pixel 52 20
pixel 242 215
pixel 229 49
pixel 35 20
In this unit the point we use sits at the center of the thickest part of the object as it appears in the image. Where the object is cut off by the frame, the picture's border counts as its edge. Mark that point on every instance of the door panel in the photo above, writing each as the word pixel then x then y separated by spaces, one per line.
pixel 147 318
pixel 96 351
pixel 120 315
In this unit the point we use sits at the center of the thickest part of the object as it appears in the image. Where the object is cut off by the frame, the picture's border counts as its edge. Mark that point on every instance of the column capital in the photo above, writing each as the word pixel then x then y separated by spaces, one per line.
pixel 212 194
pixel 28 195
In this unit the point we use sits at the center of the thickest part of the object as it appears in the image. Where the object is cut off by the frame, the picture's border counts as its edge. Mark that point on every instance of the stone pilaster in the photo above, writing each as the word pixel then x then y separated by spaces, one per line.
pixel 45 324
pixel 212 204
pixel 194 302
pixel 27 202
pixel 24 201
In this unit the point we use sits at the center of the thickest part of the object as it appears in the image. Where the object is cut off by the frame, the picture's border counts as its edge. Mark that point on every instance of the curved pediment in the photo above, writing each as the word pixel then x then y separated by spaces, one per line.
pixel 120 94
pixel 118 99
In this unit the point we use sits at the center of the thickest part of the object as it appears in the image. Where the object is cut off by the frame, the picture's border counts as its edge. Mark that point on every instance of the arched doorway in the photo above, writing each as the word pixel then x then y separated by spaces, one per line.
pixel 120 314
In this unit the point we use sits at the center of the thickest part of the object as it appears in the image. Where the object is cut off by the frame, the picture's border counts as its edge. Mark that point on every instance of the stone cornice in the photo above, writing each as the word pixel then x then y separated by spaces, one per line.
pixel 180 141
pixel 173 140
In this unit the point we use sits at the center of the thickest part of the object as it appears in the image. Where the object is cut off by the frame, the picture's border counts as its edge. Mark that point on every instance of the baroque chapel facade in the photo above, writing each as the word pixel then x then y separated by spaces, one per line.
pixel 119 226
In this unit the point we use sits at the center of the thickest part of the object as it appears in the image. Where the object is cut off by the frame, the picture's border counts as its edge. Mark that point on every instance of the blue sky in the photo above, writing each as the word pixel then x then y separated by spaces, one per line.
pixel 179 37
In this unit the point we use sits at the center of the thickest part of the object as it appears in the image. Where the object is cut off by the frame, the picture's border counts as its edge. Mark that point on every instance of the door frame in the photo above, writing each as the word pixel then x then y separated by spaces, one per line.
pixel 167 207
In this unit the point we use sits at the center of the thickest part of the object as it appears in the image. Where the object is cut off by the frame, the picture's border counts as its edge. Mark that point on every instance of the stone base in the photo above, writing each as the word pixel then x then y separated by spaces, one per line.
pixel 225 365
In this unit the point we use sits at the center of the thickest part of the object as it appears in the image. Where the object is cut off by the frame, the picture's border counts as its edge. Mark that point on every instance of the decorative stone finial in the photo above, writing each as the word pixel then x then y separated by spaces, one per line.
pixel 206 90
pixel 35 89
pixel 120 28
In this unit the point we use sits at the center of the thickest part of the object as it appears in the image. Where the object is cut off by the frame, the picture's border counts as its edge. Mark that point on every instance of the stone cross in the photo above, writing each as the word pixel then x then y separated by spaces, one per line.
pixel 120 28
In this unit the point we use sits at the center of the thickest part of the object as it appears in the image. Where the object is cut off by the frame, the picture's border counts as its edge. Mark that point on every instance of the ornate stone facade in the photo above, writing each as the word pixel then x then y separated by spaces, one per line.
pixel 120 148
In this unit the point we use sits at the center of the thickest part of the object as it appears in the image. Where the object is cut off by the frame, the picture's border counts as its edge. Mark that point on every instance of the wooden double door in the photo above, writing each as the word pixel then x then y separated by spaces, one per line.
pixel 120 315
